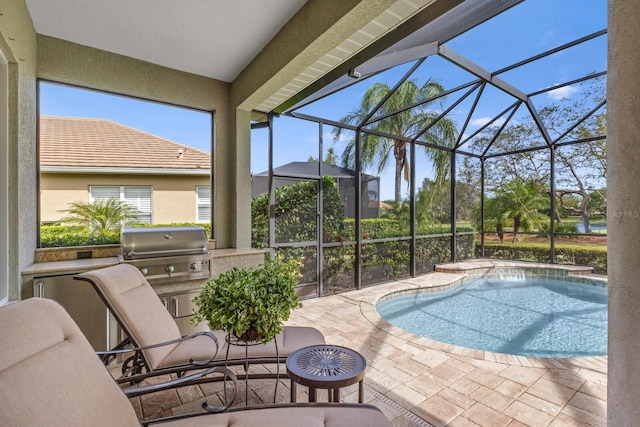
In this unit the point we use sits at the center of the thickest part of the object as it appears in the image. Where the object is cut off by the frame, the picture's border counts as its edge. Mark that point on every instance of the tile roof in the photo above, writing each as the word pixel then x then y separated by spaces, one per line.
pixel 98 143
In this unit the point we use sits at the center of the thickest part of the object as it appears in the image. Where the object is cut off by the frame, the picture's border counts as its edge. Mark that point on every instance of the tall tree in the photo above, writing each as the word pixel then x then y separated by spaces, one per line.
pixel 580 156
pixel 582 167
pixel 405 124
pixel 330 158
pixel 433 201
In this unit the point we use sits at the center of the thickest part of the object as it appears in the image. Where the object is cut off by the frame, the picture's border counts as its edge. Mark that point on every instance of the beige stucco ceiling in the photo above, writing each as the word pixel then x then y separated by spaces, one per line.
pixel 213 38
pixel 276 52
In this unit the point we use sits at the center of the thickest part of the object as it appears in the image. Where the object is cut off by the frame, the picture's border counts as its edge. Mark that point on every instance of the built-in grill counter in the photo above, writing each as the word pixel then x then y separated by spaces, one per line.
pixel 167 254
pixel 176 261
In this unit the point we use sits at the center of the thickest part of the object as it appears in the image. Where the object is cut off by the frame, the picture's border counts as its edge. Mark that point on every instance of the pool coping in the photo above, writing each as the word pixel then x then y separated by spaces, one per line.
pixel 453 274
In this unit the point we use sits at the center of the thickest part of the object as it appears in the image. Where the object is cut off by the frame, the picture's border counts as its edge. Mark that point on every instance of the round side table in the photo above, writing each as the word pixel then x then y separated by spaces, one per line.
pixel 328 367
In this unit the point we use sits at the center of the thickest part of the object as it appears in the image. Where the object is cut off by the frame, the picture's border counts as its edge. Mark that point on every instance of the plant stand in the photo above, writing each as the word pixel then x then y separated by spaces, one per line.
pixel 232 340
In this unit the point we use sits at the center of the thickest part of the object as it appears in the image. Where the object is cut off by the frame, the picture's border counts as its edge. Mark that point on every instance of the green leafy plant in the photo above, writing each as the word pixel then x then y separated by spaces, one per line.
pixel 53 236
pixel 296 209
pixel 101 217
pixel 250 304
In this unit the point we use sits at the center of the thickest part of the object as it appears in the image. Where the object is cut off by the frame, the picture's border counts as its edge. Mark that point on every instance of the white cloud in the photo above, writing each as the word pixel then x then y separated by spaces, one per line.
pixel 481 121
pixel 562 92
pixel 345 137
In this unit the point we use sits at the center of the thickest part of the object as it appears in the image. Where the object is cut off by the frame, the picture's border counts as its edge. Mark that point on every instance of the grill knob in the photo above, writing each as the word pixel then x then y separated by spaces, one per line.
pixel 194 266
pixel 169 269
pixel 144 271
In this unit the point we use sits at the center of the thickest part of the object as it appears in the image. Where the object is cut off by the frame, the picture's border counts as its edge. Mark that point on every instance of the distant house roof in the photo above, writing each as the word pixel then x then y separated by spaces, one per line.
pixel 311 168
pixel 98 145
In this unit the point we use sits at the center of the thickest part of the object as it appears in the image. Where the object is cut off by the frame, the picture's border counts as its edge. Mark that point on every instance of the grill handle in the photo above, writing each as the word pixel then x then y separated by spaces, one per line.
pixel 132 254
pixel 175 307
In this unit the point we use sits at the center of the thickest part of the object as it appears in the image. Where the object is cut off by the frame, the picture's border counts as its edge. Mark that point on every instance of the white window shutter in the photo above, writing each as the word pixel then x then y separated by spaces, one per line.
pixel 203 195
pixel 139 198
pixel 104 193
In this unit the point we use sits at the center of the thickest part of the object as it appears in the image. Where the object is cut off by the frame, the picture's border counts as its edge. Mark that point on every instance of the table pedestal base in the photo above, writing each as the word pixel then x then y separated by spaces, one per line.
pixel 327 367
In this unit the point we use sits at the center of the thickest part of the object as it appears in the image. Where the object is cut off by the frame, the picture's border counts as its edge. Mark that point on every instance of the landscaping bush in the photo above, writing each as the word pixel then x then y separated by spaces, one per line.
pixel 296 221
pixel 436 250
pixel 393 257
pixel 372 228
pixel 563 227
pixel 594 256
pixel 56 236
pixel 295 211
pixel 206 226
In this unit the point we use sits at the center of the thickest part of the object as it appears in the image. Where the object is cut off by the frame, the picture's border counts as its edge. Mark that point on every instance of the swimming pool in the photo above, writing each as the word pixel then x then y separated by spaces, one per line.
pixel 528 317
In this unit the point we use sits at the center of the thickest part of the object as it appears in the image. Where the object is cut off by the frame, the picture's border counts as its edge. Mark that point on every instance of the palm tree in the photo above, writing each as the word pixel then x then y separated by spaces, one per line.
pixel 408 123
pixel 101 216
pixel 522 202
pixel 493 217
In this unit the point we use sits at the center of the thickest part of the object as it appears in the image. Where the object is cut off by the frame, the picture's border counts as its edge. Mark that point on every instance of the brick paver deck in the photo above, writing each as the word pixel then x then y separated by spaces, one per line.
pixel 420 382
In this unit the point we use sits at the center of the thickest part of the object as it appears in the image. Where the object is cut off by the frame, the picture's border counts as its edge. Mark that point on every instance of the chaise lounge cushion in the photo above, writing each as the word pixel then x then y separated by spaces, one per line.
pixel 337 415
pixel 50 376
pixel 135 304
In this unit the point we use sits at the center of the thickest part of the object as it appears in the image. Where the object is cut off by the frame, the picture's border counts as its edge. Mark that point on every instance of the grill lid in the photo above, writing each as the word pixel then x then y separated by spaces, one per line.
pixel 138 243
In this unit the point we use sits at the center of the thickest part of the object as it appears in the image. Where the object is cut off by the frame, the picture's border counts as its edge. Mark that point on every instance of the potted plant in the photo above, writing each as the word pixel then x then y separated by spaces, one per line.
pixel 250 304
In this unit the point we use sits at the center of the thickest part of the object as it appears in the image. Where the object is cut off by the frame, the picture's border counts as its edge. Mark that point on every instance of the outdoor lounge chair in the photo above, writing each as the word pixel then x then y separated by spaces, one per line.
pixel 50 376
pixel 148 324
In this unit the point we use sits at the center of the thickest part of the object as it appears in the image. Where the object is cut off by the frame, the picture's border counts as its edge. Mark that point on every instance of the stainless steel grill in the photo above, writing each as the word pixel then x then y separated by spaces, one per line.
pixel 167 254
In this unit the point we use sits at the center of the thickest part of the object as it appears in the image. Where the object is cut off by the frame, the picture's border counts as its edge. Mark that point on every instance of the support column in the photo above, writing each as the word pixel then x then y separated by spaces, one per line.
pixel 242 179
pixel 623 217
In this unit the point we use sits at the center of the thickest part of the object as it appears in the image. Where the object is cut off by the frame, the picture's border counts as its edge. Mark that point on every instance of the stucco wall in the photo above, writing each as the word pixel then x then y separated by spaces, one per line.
pixel 173 197
pixel 18 44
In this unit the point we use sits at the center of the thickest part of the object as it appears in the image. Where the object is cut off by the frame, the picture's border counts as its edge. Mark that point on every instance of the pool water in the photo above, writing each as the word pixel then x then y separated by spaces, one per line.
pixel 532 317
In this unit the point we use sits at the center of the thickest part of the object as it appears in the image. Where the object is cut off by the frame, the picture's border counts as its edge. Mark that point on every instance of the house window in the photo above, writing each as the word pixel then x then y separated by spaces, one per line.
pixel 203 203
pixel 138 197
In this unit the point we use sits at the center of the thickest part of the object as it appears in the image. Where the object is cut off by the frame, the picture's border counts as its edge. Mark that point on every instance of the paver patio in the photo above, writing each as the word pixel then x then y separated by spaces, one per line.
pixel 416 381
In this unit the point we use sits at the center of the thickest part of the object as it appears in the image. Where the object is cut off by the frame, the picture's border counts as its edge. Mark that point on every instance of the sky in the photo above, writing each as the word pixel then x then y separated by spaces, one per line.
pixel 525 30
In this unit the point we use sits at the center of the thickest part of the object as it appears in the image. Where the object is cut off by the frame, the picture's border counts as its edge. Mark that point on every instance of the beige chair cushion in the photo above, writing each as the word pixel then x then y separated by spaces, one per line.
pixel 289 340
pixel 49 374
pixel 132 299
pixel 321 416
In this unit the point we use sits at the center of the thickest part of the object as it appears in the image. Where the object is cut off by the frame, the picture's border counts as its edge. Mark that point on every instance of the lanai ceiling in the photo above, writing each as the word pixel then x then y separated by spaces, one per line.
pixel 219 38
pixel 212 38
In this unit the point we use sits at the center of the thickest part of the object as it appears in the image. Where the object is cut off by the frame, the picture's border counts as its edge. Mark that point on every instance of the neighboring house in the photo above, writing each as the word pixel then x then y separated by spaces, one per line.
pixel 345 178
pixel 82 160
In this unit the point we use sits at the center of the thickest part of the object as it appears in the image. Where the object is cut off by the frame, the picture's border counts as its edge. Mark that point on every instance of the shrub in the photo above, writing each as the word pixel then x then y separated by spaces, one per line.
pixel 563 227
pixel 56 236
pixel 593 256
pixel 250 303
pixel 296 214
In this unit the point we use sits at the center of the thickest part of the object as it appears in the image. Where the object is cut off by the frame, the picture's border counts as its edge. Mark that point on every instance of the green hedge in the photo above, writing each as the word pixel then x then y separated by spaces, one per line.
pixel 296 214
pixel 389 260
pixel 595 256
pixel 56 236
pixel 206 226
